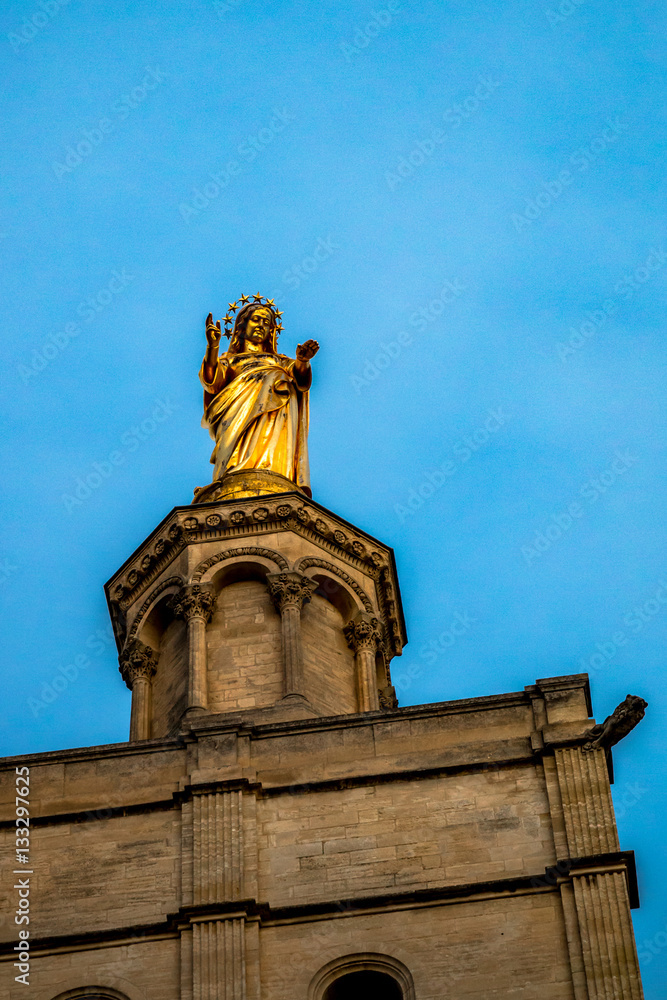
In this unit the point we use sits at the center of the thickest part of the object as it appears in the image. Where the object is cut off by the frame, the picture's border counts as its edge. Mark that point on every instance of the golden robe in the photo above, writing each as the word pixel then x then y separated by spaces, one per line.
pixel 256 410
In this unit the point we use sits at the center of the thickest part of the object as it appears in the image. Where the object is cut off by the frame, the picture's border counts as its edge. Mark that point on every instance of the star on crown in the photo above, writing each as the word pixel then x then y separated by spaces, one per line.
pixel 256 300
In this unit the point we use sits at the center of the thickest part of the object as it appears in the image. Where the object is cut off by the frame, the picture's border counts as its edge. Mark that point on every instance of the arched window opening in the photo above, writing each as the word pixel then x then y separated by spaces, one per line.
pixel 364 986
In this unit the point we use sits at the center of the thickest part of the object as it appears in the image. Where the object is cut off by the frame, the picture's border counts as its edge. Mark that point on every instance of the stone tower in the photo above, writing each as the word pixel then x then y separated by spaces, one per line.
pixel 267 608
pixel 278 828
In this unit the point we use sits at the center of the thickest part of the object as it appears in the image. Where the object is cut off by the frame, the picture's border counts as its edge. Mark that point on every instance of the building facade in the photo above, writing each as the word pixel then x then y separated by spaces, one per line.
pixel 278 827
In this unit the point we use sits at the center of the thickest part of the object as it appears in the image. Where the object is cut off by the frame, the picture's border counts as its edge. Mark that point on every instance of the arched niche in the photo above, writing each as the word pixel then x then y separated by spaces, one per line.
pixel 338 593
pixel 264 560
pixel 154 609
pixel 167 635
pixel 237 570
pixel 365 976
pixel 330 671
pixel 244 635
pixel 157 621
pixel 95 993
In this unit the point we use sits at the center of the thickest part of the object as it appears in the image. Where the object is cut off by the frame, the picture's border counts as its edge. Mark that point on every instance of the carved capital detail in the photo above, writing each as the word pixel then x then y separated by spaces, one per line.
pixel 195 601
pixel 388 700
pixel 290 589
pixel 137 660
pixel 363 632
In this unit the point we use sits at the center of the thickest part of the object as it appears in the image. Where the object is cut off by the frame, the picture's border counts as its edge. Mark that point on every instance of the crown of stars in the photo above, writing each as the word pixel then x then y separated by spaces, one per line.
pixel 256 300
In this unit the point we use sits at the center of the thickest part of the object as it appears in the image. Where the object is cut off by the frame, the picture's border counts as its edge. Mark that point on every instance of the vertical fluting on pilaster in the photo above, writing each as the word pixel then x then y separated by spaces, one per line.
pixel 587 804
pixel 574 943
pixel 219 964
pixel 610 957
pixel 601 901
pixel 217 846
pixel 186 964
pixel 289 592
pixel 195 605
pixel 187 850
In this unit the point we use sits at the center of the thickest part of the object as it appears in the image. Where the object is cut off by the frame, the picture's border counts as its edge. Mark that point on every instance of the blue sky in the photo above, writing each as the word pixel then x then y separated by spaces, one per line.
pixel 464 204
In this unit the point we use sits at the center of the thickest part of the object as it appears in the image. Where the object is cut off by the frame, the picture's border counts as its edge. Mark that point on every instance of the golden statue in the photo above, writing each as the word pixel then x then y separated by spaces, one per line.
pixel 256 404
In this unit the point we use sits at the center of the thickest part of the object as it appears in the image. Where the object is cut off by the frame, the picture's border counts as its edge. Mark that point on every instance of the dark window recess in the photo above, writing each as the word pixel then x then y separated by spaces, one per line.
pixel 364 986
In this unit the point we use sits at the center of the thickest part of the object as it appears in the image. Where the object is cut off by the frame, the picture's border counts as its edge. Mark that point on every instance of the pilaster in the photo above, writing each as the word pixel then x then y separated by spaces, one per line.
pixel 219 868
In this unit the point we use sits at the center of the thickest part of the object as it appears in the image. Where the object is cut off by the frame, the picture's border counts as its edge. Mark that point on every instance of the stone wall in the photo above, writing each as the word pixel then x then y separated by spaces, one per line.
pixel 244 649
pixel 457 840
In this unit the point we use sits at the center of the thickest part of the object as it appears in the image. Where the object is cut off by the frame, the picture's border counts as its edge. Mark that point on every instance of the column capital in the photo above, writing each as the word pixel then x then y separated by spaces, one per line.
pixel 290 589
pixel 194 601
pixel 364 632
pixel 387 698
pixel 137 660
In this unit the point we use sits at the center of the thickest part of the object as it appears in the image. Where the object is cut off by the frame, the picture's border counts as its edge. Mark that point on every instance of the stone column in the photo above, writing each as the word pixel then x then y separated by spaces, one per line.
pixel 195 604
pixel 138 663
pixel 289 592
pixel 364 636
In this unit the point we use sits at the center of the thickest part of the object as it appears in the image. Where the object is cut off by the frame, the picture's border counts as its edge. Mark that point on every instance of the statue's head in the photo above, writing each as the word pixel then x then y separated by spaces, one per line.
pixel 257 324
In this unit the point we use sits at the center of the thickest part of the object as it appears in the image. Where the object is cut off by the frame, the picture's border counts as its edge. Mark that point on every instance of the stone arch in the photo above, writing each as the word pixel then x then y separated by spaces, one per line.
pixel 365 962
pixel 264 560
pixel 174 583
pixel 98 993
pixel 360 600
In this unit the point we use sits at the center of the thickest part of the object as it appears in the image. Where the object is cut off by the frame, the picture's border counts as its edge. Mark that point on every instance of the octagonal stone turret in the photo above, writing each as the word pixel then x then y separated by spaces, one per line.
pixel 268 607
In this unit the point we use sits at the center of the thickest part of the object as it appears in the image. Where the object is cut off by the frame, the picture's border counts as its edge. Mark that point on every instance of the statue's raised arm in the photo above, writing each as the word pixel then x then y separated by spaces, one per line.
pixel 256 402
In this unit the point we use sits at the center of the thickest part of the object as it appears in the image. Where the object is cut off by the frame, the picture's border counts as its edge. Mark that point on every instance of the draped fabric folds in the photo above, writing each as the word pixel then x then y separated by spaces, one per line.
pixel 256 410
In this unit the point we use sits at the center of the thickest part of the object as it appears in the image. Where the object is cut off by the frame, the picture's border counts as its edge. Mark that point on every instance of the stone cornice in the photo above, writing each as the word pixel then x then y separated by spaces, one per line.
pixel 241 724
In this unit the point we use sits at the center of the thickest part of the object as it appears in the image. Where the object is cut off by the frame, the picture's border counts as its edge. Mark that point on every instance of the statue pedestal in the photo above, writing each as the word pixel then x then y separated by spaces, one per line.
pixel 257 602
pixel 247 483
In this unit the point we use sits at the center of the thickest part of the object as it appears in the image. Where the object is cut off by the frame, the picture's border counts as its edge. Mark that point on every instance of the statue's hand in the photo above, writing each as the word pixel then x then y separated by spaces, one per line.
pixel 305 352
pixel 213 331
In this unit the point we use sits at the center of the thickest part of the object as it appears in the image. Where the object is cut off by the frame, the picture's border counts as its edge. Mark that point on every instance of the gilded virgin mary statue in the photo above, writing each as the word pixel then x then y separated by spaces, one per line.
pixel 255 404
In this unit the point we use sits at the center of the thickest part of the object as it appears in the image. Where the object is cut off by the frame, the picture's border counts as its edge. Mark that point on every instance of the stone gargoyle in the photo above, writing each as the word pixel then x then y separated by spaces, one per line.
pixel 617 725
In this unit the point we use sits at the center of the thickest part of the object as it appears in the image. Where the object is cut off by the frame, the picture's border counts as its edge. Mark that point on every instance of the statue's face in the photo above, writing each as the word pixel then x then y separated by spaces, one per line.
pixel 258 327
